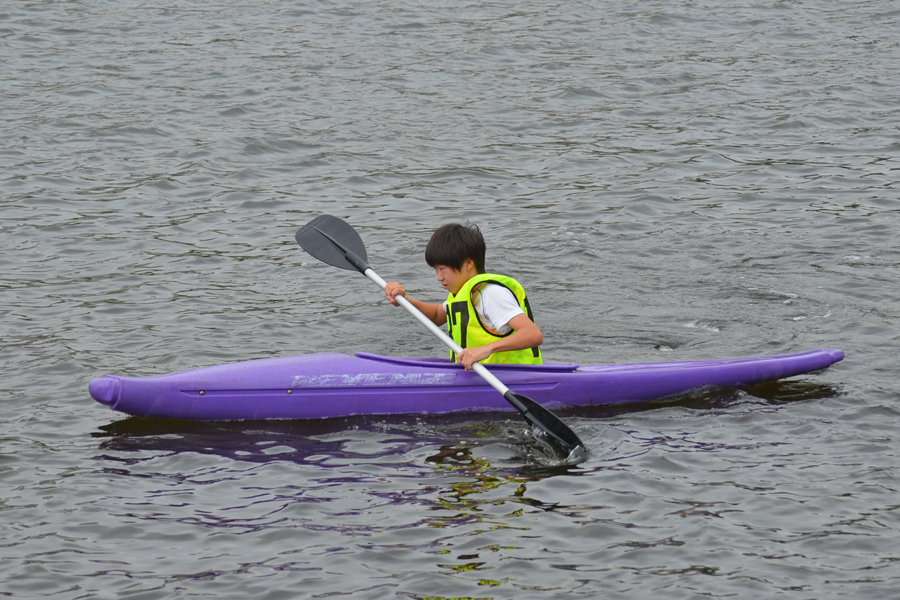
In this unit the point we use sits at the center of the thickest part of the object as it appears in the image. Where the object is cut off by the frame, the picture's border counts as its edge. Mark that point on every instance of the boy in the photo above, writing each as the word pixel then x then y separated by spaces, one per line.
pixel 489 315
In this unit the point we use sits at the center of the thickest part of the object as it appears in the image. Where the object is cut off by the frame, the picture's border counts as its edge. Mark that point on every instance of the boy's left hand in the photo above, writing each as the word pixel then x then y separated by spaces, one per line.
pixel 470 356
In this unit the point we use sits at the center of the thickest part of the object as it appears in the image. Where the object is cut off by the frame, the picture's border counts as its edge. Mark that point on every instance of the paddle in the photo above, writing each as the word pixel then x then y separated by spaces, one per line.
pixel 336 243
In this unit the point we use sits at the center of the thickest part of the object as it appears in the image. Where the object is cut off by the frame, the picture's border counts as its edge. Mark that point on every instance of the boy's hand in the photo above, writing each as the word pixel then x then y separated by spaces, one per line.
pixel 393 289
pixel 470 356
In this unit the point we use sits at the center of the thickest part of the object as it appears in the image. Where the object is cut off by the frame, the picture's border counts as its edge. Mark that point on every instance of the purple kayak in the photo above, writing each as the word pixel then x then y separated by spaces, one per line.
pixel 316 386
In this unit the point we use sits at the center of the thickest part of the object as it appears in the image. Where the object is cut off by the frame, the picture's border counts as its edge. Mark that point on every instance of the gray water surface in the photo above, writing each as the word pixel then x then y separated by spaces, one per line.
pixel 670 181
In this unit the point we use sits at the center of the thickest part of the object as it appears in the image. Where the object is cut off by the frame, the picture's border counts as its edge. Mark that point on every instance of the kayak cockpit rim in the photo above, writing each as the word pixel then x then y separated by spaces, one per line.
pixel 445 363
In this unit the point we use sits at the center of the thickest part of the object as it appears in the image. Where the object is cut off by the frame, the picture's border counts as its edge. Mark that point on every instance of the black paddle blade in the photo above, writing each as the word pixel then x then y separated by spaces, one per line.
pixel 546 421
pixel 334 242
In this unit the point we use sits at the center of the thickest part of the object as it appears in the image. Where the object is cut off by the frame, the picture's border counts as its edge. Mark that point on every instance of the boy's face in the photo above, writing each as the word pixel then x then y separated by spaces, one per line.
pixel 453 280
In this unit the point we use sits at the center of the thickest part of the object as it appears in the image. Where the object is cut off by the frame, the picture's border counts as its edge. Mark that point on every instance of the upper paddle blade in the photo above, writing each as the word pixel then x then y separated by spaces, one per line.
pixel 334 242
pixel 546 421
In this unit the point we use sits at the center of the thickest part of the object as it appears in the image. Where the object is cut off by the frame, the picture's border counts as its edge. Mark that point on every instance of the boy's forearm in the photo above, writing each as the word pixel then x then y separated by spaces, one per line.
pixel 432 311
pixel 526 337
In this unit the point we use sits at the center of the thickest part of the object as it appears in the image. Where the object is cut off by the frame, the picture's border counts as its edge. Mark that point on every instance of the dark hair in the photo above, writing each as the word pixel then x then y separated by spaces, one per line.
pixel 453 243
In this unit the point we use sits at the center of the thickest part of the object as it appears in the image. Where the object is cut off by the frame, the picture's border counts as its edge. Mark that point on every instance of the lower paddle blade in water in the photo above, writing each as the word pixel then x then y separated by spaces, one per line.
pixel 544 420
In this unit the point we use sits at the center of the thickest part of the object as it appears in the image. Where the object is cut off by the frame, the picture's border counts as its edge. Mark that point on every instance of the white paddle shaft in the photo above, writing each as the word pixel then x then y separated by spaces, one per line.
pixel 448 341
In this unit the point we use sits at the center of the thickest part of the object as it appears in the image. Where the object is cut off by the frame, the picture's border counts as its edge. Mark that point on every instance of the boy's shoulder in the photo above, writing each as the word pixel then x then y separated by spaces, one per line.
pixel 494 294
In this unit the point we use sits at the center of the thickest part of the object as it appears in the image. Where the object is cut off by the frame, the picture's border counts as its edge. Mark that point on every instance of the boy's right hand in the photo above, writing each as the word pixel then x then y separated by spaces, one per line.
pixel 393 289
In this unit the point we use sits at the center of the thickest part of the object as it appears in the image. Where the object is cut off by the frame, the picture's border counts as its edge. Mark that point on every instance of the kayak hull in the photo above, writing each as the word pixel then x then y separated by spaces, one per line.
pixel 317 386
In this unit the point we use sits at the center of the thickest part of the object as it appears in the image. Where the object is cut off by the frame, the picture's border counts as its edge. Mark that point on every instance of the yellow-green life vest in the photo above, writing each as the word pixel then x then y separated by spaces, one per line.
pixel 467 330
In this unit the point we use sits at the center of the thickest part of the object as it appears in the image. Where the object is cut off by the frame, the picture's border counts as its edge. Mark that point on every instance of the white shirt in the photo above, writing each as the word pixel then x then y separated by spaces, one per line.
pixel 496 307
